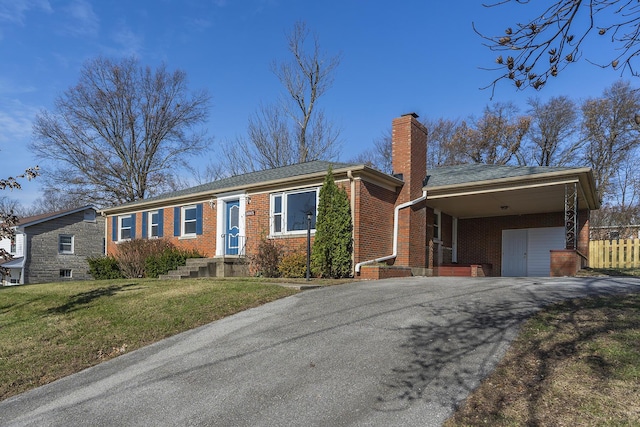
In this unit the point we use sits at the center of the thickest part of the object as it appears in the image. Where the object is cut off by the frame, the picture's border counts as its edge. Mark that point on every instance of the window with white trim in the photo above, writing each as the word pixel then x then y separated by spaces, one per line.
pixel 154 224
pixel 289 211
pixel 189 220
pixel 125 225
pixel 65 244
pixel 13 248
pixel 437 219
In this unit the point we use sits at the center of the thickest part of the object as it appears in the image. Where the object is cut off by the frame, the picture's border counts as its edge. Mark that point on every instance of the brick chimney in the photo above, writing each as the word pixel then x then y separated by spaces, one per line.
pixel 409 151
pixel 409 142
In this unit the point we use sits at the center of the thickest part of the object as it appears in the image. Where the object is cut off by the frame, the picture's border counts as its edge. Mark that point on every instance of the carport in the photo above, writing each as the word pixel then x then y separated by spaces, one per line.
pixel 515 220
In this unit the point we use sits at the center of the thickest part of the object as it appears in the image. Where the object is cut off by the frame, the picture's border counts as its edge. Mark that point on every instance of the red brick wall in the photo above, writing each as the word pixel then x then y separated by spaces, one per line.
pixel 480 239
pixel 409 138
pixel 205 243
pixel 373 221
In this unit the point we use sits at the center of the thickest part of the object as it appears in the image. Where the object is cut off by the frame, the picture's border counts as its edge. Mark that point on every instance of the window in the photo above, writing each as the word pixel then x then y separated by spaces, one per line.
pixel 65 273
pixel 189 220
pixel 125 227
pixel 65 244
pixel 289 211
pixel 437 218
pixel 13 248
pixel 154 224
pixel 90 215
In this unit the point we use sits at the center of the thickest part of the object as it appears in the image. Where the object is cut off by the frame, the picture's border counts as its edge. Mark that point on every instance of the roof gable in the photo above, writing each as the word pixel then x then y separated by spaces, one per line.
pixel 37 219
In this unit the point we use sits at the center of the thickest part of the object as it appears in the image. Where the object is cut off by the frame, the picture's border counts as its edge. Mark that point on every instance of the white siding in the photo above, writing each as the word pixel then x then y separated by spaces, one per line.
pixel 539 242
pixel 6 245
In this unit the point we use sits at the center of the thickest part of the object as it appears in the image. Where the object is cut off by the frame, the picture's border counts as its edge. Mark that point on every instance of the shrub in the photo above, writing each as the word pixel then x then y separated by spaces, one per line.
pixel 104 267
pixel 132 255
pixel 333 245
pixel 293 265
pixel 268 258
pixel 169 259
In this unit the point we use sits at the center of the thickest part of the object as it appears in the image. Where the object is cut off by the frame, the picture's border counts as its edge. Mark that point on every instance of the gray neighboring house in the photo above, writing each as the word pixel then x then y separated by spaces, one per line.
pixel 54 247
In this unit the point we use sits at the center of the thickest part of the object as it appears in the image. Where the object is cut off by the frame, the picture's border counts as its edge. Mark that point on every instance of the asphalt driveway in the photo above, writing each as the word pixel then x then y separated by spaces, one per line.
pixel 380 353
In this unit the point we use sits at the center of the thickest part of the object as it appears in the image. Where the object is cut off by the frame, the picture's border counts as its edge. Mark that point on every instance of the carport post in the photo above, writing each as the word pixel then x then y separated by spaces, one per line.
pixel 571 215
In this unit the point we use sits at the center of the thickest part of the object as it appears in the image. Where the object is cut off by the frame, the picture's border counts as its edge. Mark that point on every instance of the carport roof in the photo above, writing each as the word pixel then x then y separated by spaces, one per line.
pixel 464 174
pixel 479 190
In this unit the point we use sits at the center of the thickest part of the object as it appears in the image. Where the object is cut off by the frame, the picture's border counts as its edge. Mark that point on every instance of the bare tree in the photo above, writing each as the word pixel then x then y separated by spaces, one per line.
pixel 542 46
pixel 52 201
pixel 494 138
pixel 380 156
pixel 610 132
pixel 8 217
pixel 552 137
pixel 118 135
pixel 441 149
pixel 296 129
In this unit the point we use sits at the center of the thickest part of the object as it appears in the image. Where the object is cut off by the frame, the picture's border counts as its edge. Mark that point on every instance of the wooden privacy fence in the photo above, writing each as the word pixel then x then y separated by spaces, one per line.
pixel 614 253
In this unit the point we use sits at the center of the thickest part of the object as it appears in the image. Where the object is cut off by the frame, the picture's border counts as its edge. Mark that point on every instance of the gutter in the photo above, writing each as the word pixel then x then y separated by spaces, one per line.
pixel 395 232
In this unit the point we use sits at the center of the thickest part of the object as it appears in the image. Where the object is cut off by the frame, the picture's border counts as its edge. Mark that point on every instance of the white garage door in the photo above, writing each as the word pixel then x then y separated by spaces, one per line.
pixel 525 252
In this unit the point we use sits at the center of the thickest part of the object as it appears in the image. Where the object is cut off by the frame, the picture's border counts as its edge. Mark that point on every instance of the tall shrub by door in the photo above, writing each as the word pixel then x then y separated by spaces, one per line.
pixel 333 245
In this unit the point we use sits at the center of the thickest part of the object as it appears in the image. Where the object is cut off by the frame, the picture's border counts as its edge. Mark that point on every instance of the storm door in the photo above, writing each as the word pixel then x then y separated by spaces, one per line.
pixel 232 234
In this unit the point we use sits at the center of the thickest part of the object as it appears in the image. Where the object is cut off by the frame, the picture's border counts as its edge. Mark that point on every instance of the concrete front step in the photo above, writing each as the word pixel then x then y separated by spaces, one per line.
pixel 209 267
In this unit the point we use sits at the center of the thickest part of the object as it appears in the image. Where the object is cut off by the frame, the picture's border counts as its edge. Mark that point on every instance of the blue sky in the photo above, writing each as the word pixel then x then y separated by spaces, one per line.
pixel 397 57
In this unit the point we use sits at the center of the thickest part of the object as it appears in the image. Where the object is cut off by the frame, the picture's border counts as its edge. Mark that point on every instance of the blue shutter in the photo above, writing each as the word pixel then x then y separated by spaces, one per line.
pixel 133 226
pixel 145 216
pixel 161 223
pixel 114 229
pixel 176 221
pixel 199 218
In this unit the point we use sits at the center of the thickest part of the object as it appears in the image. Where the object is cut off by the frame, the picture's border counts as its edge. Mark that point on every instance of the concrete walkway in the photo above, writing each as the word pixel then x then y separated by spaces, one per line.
pixel 382 353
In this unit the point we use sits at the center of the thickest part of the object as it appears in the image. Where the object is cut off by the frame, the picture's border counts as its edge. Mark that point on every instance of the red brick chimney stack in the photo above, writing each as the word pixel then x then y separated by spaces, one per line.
pixel 409 139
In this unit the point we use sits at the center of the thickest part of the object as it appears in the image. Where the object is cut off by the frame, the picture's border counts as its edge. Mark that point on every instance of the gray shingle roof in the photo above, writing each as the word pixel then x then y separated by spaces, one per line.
pixel 252 178
pixel 462 174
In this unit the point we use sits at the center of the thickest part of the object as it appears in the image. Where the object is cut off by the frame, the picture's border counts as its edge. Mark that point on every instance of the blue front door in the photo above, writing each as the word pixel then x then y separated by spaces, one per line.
pixel 232 235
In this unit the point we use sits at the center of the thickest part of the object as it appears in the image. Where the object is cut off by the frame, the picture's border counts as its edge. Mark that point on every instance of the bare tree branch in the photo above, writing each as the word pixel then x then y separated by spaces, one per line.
pixel 552 137
pixel 610 132
pixel 546 44
pixel 295 130
pixel 116 136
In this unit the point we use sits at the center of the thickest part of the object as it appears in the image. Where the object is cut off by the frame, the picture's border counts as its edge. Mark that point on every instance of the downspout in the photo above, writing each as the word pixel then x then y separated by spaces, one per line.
pixel 395 232
pixel 353 210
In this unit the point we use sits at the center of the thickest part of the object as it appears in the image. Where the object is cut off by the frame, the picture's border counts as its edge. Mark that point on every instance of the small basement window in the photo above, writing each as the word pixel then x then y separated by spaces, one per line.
pixel 65 273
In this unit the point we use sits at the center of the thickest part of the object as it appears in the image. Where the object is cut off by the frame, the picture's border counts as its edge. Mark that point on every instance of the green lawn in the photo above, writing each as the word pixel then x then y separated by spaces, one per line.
pixel 52 330
pixel 576 363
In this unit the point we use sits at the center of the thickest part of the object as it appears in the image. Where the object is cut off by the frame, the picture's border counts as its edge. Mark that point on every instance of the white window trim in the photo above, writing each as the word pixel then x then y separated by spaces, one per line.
pixel 183 221
pixel 120 228
pixel 221 216
pixel 72 250
pixel 437 218
pixel 272 213
pixel 150 224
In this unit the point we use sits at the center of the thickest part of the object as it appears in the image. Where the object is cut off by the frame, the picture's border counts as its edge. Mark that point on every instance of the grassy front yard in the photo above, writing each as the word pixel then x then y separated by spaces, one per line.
pixel 52 330
pixel 576 363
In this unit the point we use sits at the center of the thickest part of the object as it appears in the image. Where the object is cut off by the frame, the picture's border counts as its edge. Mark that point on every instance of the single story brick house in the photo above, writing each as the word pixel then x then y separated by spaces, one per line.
pixel 457 220
pixel 54 246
